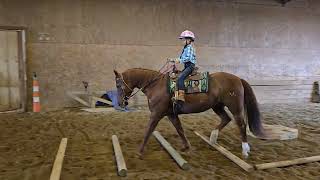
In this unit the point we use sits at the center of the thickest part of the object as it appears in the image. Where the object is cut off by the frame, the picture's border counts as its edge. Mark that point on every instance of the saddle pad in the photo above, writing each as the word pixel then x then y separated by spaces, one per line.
pixel 193 84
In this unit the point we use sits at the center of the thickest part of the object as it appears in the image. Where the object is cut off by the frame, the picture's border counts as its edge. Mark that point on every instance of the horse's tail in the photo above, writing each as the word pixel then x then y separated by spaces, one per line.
pixel 252 110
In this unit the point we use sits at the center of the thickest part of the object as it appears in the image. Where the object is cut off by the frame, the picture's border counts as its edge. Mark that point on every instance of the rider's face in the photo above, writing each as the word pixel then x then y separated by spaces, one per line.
pixel 185 41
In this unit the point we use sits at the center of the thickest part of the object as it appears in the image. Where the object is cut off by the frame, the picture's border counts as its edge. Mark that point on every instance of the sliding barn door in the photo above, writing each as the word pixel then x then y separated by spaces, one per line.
pixel 10 98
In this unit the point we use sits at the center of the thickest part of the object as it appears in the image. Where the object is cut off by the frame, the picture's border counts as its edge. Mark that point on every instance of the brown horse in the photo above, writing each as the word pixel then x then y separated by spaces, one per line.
pixel 224 90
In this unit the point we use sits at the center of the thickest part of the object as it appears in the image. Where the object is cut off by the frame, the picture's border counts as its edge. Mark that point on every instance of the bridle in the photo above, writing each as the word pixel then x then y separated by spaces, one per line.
pixel 125 97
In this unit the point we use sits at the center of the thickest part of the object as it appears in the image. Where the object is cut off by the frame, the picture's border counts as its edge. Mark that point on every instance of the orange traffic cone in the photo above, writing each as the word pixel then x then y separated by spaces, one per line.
pixel 36 94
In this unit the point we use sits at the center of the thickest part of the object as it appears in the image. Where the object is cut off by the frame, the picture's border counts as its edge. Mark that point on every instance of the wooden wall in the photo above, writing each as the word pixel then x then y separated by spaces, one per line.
pixel 258 40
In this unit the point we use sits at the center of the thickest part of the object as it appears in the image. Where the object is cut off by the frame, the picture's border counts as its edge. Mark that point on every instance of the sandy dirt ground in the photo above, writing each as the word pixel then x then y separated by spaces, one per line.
pixel 29 143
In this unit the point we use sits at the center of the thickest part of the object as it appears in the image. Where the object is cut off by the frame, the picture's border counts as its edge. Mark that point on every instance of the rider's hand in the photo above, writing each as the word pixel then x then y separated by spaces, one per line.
pixel 174 60
pixel 170 60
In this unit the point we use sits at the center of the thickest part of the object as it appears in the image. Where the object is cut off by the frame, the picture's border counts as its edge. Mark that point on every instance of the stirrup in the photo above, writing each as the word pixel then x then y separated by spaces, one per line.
pixel 177 105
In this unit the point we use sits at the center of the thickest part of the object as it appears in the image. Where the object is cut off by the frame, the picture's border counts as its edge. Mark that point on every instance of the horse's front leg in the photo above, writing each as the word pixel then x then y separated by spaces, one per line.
pixel 177 124
pixel 153 122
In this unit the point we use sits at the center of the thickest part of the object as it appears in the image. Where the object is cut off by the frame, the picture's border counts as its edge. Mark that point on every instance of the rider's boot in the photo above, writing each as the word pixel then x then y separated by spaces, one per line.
pixel 181 96
pixel 175 97
pixel 178 101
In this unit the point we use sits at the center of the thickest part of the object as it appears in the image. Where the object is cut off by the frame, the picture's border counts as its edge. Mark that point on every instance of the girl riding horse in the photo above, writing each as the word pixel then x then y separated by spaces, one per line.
pixel 188 58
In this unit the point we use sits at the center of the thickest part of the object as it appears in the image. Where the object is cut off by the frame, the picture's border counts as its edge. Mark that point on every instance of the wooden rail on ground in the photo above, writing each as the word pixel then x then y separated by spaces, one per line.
pixel 121 164
pixel 174 154
pixel 91 97
pixel 245 166
pixel 57 166
pixel 287 163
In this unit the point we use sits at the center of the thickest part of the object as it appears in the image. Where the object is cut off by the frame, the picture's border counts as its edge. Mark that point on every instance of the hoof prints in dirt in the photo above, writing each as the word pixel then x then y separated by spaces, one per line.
pixel 29 143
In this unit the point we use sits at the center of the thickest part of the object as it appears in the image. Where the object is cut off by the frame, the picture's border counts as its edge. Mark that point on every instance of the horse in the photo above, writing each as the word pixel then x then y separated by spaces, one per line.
pixel 225 89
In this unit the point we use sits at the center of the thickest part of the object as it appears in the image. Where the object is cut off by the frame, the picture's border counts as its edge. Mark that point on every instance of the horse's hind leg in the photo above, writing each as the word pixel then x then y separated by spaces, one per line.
pixel 177 124
pixel 238 113
pixel 225 119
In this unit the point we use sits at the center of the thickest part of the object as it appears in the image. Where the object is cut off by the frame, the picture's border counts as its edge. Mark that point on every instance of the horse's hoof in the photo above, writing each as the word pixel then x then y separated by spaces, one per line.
pixel 139 155
pixel 245 155
pixel 185 149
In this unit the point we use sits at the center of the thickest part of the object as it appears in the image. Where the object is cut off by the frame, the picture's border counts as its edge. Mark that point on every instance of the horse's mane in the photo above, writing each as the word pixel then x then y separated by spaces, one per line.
pixel 143 69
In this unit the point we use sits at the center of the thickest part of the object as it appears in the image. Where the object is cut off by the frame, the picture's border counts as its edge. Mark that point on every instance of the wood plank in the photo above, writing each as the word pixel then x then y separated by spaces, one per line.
pixel 280 88
pixel 99 110
pixel 57 166
pixel 283 91
pixel 87 92
pixel 91 96
pixel 121 164
pixel 277 132
pixel 13 111
pixel 78 99
pixel 281 95
pixel 174 154
pixel 281 82
pixel 286 101
pixel 245 166
pixel 287 163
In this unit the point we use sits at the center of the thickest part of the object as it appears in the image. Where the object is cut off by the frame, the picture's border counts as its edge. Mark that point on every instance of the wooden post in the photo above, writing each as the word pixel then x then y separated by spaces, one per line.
pixel 174 154
pixel 247 167
pixel 121 164
pixel 287 163
pixel 57 166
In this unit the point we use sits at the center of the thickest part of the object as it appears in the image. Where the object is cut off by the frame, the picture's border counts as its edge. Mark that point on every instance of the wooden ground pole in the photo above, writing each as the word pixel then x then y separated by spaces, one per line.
pixel 287 163
pixel 174 154
pixel 121 164
pixel 241 163
pixel 57 166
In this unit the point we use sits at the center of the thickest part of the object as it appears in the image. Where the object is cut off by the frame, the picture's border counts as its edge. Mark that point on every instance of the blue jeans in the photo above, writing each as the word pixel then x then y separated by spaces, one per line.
pixel 188 68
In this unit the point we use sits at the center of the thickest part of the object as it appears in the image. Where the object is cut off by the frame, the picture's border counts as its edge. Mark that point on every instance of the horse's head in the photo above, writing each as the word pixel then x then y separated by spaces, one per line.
pixel 124 91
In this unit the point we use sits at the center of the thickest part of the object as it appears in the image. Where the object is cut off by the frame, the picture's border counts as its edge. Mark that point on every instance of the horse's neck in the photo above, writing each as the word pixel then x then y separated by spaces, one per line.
pixel 139 78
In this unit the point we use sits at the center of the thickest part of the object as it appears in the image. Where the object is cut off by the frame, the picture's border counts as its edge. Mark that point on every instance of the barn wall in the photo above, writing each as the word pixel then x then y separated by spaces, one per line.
pixel 74 40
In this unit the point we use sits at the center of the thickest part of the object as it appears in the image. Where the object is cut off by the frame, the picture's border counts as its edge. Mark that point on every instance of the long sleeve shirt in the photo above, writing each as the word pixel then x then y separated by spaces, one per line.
pixel 188 55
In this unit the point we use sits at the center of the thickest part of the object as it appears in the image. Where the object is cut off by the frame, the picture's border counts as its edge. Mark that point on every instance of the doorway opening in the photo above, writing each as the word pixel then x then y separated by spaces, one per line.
pixel 13 86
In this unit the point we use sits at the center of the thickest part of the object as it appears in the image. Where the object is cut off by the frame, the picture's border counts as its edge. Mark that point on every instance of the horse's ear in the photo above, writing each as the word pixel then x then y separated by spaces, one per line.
pixel 116 73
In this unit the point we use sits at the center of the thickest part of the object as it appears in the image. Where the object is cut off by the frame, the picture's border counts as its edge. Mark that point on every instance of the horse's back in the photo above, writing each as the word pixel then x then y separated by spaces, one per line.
pixel 224 75
pixel 225 82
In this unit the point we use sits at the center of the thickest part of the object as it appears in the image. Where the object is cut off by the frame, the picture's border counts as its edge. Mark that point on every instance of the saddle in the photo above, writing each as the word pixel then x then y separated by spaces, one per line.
pixel 196 82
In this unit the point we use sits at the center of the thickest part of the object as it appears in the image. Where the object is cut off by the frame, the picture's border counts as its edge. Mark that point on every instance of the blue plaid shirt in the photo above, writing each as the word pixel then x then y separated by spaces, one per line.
pixel 188 55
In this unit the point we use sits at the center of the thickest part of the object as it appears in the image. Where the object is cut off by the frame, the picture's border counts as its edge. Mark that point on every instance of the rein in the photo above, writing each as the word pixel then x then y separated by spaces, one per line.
pixel 141 89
